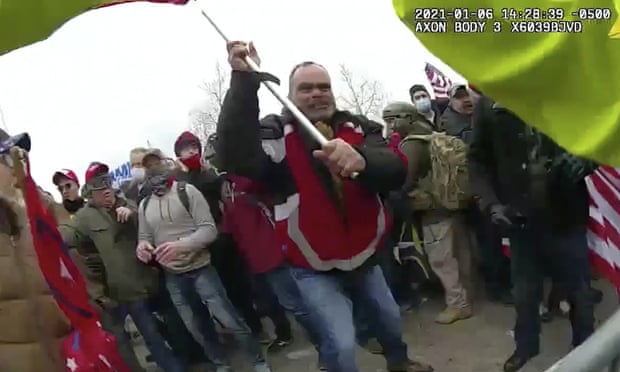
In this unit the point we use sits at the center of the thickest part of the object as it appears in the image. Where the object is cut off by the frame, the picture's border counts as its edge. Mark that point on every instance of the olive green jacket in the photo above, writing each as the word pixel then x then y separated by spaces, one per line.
pixel 127 279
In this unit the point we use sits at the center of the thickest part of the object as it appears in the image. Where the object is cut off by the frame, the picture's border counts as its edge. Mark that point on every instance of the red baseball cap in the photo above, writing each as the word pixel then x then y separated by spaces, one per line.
pixel 64 173
pixel 95 169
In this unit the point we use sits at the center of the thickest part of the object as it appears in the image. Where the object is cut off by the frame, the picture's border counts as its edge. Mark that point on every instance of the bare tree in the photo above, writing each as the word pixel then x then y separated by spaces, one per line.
pixel 203 117
pixel 362 96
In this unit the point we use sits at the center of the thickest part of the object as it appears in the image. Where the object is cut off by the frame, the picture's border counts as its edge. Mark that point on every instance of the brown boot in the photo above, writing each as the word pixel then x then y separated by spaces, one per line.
pixel 410 366
pixel 453 314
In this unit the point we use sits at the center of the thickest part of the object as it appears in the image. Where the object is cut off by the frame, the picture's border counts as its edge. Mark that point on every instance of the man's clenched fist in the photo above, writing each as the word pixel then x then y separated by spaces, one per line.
pixel 237 51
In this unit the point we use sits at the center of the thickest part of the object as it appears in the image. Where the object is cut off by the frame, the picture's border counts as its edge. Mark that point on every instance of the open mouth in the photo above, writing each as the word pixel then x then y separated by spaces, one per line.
pixel 320 105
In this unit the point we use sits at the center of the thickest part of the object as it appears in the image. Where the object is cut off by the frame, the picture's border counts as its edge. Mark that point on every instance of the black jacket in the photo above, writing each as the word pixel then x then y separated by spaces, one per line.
pixel 499 169
pixel 242 137
pixel 456 124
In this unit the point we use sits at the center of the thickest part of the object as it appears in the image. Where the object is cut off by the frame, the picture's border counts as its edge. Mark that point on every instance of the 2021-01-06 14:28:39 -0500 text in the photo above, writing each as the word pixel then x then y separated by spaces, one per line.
pixel 510 14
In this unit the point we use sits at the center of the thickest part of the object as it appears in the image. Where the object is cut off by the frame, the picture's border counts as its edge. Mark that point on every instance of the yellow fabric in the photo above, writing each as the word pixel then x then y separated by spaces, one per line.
pixel 564 84
pixel 24 22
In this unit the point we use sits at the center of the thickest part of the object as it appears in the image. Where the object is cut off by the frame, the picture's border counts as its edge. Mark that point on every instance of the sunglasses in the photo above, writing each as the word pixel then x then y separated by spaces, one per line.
pixel 100 183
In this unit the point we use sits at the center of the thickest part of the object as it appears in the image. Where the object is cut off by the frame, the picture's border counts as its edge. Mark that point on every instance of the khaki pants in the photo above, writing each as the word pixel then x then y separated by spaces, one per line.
pixel 448 246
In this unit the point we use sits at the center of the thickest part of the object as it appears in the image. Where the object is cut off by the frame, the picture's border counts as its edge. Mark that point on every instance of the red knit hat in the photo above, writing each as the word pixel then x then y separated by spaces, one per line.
pixel 186 139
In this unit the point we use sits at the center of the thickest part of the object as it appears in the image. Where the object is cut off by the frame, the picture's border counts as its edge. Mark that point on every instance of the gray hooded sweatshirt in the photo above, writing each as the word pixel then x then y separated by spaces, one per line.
pixel 166 220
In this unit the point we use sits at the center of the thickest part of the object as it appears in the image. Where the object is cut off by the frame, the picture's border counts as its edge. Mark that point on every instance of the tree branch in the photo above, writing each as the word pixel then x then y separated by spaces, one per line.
pixel 203 120
pixel 362 96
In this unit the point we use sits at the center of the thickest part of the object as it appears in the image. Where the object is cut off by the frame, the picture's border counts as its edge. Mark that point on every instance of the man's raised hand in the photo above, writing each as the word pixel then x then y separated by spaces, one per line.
pixel 237 51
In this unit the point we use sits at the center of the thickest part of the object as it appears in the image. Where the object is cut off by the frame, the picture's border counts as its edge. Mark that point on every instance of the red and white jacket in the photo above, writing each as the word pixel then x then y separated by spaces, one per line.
pixel 313 231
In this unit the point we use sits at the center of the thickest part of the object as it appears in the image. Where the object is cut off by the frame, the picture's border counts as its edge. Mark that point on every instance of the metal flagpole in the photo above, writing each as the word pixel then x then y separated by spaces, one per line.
pixel 303 120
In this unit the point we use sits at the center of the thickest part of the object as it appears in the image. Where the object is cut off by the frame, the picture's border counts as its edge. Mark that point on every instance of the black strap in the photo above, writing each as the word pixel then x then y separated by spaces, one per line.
pixel 182 191
pixel 147 199
pixel 266 76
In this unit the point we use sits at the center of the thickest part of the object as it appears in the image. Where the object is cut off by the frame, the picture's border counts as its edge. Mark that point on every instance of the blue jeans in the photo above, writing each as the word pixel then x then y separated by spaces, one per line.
pixel 330 298
pixel 146 323
pixel 206 283
pixel 289 297
pixel 172 327
pixel 567 252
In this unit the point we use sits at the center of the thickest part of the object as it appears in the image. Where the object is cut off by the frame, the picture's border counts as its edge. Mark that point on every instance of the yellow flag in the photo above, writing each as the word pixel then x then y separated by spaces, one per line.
pixel 24 22
pixel 567 84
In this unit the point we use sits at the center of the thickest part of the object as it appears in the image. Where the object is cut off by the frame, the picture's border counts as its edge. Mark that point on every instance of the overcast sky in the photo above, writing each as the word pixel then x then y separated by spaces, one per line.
pixel 113 78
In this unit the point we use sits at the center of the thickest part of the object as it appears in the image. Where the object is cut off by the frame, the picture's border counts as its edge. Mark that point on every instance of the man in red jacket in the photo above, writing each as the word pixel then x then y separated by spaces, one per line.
pixel 328 225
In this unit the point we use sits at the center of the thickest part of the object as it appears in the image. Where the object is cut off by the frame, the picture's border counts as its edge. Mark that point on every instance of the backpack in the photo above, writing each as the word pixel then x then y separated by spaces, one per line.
pixel 449 175
pixel 181 190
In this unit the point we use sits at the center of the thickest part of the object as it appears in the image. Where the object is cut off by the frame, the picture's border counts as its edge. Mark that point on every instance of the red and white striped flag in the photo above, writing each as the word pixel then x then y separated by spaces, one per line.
pixel 604 222
pixel 439 82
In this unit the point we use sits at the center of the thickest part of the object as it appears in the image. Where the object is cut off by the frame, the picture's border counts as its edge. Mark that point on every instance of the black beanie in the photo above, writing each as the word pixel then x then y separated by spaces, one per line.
pixel 416 88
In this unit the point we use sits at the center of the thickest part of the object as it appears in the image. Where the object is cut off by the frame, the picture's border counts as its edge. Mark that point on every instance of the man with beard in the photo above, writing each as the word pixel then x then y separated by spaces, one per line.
pixel 69 187
pixel 456 119
pixel 317 203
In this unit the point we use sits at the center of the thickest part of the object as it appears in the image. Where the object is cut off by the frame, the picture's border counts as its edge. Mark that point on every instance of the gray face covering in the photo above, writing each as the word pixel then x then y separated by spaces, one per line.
pixel 160 179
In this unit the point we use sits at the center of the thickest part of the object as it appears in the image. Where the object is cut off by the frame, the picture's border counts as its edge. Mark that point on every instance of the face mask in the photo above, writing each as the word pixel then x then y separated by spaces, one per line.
pixel 137 174
pixel 161 184
pixel 193 162
pixel 160 179
pixel 423 105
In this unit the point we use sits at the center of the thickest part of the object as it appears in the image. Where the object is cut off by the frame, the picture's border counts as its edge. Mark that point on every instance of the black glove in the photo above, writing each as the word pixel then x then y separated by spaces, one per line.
pixel 573 168
pixel 504 216
pixel 400 204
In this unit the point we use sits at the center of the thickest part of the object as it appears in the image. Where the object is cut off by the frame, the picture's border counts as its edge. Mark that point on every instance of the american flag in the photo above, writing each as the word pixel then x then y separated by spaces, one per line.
pixel 603 224
pixel 439 82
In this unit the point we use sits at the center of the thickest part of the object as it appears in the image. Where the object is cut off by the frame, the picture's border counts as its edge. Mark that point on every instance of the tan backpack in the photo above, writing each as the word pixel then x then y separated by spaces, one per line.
pixel 449 175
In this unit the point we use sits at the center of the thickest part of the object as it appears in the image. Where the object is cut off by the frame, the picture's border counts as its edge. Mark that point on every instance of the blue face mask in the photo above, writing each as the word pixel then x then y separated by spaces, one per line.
pixel 423 105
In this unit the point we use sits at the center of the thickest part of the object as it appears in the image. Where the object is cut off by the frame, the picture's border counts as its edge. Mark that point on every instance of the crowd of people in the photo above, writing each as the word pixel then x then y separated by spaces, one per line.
pixel 263 221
